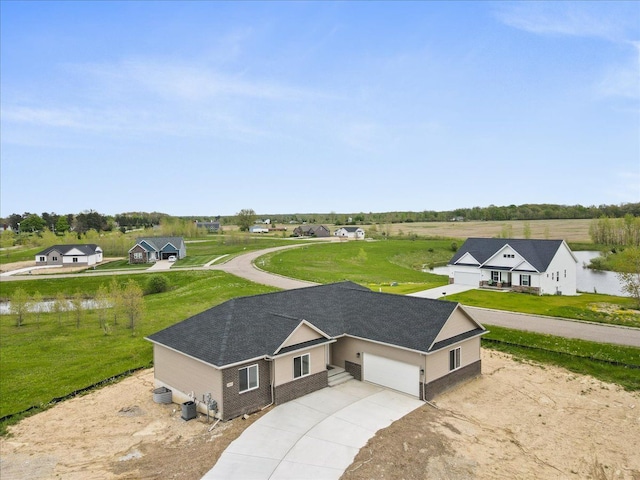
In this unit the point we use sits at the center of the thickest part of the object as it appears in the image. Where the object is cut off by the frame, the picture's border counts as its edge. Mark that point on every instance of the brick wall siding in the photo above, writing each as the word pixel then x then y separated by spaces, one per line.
pixel 354 369
pixel 432 389
pixel 301 386
pixel 236 403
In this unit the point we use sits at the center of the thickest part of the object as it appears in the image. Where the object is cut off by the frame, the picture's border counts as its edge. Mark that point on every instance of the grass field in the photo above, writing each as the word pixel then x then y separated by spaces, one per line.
pixel 43 360
pixel 586 306
pixel 367 263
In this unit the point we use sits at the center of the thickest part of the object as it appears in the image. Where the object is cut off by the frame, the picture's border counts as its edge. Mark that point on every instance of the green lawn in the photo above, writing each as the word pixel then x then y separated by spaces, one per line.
pixel 43 360
pixel 375 264
pixel 586 306
pixel 609 363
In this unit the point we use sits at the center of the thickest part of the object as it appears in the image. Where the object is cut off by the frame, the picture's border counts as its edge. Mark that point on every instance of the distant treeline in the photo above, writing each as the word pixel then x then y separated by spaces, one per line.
pixel 492 212
pixel 92 220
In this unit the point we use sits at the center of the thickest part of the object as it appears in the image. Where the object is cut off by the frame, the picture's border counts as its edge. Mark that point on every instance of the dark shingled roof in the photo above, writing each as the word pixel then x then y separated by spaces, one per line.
pixel 85 248
pixel 538 253
pixel 159 242
pixel 251 327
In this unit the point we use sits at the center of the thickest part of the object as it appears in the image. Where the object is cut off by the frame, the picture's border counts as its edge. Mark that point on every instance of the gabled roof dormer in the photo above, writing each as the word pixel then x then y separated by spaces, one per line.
pixel 467 259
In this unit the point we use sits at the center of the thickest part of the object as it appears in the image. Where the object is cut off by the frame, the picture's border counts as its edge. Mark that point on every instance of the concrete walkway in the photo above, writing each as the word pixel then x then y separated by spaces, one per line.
pixel 443 291
pixel 315 436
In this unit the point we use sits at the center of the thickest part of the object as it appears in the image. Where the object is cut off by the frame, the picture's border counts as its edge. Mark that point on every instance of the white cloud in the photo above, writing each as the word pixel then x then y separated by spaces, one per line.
pixel 582 19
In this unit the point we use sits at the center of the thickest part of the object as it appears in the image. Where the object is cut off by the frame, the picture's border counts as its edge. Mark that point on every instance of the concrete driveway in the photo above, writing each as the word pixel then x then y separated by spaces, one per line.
pixel 316 436
pixel 443 291
pixel 160 265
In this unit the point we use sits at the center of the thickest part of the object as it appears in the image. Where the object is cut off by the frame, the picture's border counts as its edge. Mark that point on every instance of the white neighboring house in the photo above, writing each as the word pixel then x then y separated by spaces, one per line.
pixel 543 267
pixel 258 229
pixel 70 255
pixel 355 233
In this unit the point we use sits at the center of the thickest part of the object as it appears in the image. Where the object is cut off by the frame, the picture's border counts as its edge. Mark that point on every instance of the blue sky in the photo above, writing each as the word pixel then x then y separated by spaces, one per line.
pixel 205 108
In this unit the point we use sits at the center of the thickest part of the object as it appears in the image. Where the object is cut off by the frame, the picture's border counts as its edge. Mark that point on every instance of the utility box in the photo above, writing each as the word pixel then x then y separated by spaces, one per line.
pixel 188 410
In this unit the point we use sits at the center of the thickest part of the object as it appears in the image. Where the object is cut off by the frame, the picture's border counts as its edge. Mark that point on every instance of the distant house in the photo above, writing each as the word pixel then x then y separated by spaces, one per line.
pixel 211 226
pixel 70 255
pixel 311 231
pixel 543 267
pixel 255 351
pixel 355 233
pixel 152 249
pixel 258 229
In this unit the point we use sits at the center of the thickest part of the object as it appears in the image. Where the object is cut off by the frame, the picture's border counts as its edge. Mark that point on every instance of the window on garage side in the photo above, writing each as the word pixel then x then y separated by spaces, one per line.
pixel 525 280
pixel 454 359
pixel 248 378
pixel 301 365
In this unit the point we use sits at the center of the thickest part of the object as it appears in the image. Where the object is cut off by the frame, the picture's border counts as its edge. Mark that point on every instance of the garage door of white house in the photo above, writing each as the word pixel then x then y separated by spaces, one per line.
pixel 392 374
pixel 466 278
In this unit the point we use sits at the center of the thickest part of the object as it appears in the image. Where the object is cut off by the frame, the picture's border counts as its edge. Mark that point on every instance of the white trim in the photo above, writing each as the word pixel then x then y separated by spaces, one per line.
pixel 302 374
pixel 303 322
pixel 308 347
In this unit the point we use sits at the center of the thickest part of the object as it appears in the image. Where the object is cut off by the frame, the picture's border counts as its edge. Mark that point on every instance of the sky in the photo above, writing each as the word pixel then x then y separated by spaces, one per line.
pixel 206 108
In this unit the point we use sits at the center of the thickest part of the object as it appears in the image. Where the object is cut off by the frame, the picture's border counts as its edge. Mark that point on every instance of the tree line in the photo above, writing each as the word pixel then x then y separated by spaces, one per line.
pixel 113 304
pixel 616 231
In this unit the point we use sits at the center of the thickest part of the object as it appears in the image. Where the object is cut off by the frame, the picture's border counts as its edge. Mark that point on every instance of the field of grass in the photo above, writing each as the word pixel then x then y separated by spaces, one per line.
pixel 586 306
pixel 609 363
pixel 367 263
pixel 569 230
pixel 44 359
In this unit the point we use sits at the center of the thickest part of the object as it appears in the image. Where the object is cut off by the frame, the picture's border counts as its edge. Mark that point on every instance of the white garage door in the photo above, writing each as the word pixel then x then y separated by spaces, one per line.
pixel 466 278
pixel 392 374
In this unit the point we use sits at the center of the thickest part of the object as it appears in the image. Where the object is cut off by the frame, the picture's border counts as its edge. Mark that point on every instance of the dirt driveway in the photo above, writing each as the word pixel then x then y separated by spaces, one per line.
pixel 517 421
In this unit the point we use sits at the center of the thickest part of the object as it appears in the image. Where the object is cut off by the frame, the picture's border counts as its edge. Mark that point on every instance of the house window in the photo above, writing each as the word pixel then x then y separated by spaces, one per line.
pixel 248 378
pixel 495 276
pixel 55 259
pixel 565 274
pixel 454 359
pixel 552 276
pixel 525 280
pixel 43 259
pixel 137 255
pixel 557 276
pixel 75 259
pixel 301 365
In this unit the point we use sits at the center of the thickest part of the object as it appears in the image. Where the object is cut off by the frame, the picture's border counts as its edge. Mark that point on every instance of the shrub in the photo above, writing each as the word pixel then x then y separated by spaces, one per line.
pixel 454 247
pixel 157 284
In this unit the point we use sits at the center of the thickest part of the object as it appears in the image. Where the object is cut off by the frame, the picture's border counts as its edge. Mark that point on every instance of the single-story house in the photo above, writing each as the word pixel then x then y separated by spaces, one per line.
pixel 152 249
pixel 311 231
pixel 543 267
pixel 356 233
pixel 250 352
pixel 70 255
pixel 258 229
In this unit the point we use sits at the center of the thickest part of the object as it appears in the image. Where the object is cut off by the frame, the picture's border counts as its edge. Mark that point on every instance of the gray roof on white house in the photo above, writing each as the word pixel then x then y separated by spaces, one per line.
pixel 85 248
pixel 538 253
pixel 252 327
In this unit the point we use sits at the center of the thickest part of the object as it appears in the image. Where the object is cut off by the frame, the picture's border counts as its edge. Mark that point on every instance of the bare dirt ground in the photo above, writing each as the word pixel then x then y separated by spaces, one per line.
pixel 519 420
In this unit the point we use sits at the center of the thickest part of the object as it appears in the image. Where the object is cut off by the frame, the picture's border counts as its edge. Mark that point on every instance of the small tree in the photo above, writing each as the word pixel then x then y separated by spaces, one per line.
pixel 78 307
pixel 115 297
pixel 245 218
pixel 132 303
pixel 631 278
pixel 157 284
pixel 37 306
pixel 60 305
pixel 527 230
pixel 101 301
pixel 19 306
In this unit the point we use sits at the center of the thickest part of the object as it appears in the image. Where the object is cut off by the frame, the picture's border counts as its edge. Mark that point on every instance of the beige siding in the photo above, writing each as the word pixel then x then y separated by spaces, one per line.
pixel 303 333
pixel 438 363
pixel 184 375
pixel 347 348
pixel 459 322
pixel 284 365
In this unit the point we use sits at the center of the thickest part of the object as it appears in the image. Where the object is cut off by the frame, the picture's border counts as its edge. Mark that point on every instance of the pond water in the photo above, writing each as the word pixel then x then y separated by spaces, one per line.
pixel 47 306
pixel 587 280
